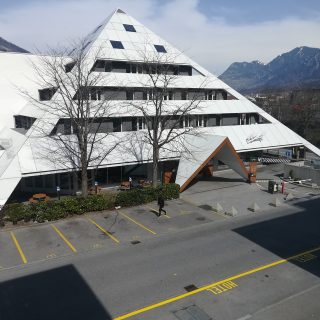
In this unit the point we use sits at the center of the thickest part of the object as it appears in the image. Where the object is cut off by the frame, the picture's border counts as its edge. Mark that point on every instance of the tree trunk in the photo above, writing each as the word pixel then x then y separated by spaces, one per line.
pixel 84 182
pixel 155 163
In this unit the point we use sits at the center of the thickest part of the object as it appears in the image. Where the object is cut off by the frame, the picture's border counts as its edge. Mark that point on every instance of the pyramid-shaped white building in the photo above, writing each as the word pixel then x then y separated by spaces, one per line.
pixel 223 113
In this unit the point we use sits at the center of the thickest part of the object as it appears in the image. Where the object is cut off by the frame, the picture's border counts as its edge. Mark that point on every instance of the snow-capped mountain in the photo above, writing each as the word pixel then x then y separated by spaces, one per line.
pixel 298 68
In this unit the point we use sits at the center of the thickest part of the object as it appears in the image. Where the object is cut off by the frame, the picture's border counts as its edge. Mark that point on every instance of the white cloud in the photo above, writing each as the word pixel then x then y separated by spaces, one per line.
pixel 213 42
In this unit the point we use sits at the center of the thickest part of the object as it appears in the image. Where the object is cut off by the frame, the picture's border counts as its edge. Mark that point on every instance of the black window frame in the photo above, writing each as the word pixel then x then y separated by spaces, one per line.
pixel 160 48
pixel 129 27
pixel 116 44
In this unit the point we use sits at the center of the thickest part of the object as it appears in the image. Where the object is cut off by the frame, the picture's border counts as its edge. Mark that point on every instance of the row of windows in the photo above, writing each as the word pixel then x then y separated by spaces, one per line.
pixel 116 44
pixel 145 68
pixel 108 93
pixel 105 125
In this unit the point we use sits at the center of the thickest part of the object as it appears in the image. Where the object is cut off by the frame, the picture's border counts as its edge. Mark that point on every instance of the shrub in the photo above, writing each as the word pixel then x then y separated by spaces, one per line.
pixel 15 212
pixel 55 210
pixel 140 196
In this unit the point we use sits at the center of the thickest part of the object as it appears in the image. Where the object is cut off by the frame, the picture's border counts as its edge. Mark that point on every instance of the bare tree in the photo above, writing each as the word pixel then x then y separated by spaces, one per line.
pixel 74 105
pixel 165 122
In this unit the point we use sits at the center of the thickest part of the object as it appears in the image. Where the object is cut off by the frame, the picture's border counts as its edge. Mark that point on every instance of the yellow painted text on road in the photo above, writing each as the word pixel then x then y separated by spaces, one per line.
pixel 220 288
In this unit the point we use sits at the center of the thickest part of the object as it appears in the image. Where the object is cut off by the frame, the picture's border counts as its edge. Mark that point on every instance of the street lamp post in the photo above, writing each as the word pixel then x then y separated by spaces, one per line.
pixel 96 186
pixel 58 192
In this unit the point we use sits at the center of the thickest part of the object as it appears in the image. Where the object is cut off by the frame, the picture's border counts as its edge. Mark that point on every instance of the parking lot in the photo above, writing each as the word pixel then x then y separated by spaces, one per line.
pixel 110 230
pixel 106 230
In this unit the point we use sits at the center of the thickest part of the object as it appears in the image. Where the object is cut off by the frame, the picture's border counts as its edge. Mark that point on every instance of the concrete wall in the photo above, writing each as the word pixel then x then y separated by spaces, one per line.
pixel 300 171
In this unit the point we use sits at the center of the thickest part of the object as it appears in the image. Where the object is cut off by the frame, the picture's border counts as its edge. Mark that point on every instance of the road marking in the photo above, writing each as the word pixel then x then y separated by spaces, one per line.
pixel 62 236
pixel 156 211
pixel 15 241
pixel 137 223
pixel 104 231
pixel 232 278
pixel 220 288
pixel 51 256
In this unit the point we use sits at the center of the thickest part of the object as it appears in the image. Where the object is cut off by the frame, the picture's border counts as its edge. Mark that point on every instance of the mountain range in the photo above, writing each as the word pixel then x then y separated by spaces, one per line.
pixel 7 46
pixel 298 68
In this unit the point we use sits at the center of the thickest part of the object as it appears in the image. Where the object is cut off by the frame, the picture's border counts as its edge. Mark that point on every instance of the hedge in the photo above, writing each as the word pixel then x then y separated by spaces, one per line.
pixel 67 206
pixel 139 196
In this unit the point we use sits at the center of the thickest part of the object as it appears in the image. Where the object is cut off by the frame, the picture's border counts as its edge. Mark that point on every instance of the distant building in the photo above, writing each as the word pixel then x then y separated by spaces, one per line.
pixel 226 120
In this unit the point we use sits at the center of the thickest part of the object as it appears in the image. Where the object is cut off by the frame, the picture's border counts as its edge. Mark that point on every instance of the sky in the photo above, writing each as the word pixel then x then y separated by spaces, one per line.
pixel 215 33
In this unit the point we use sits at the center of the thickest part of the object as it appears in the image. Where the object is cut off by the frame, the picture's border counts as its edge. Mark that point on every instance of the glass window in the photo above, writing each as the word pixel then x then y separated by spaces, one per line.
pixel 99 66
pixel 116 44
pixel 127 124
pixel 118 66
pixel 140 95
pixel 212 121
pixel 160 48
pixel 230 120
pixel 117 125
pixel 129 28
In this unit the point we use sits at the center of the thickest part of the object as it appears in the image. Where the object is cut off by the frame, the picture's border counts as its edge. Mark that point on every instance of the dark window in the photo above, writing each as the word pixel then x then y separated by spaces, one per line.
pixel 117 125
pixel 119 66
pixel 46 94
pixel 128 123
pixel 212 121
pixel 129 27
pixel 69 66
pixel 185 71
pixel 229 120
pixel 99 66
pixel 63 127
pixel 160 48
pixel 24 122
pixel 117 44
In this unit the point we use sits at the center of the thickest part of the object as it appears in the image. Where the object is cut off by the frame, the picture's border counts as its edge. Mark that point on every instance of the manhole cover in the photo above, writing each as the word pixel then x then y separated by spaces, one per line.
pixel 201 218
pixel 135 242
pixel 191 313
pixel 205 207
pixel 191 287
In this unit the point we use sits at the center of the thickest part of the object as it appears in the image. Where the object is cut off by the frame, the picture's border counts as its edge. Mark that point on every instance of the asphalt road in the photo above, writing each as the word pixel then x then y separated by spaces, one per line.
pixel 249 267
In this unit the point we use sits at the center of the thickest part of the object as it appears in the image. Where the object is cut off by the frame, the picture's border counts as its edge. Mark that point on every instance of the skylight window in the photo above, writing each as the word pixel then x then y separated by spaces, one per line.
pixel 117 44
pixel 160 48
pixel 129 28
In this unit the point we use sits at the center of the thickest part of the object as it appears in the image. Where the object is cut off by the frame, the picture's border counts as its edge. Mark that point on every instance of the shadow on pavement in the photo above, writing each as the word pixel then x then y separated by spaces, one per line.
pixel 59 293
pixel 290 235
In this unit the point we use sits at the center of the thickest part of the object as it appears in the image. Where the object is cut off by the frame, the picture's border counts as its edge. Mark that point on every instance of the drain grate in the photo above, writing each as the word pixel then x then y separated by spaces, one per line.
pixel 191 313
pixel 190 287
pixel 135 241
pixel 201 218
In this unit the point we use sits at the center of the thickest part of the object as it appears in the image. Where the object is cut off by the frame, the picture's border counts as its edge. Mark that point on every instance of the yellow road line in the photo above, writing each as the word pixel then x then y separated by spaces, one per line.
pixel 154 210
pixel 15 241
pixel 64 238
pixel 137 223
pixel 237 276
pixel 104 231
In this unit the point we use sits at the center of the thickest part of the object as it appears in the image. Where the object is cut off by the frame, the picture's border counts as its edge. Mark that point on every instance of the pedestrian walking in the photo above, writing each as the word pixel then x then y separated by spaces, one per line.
pixel 161 205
